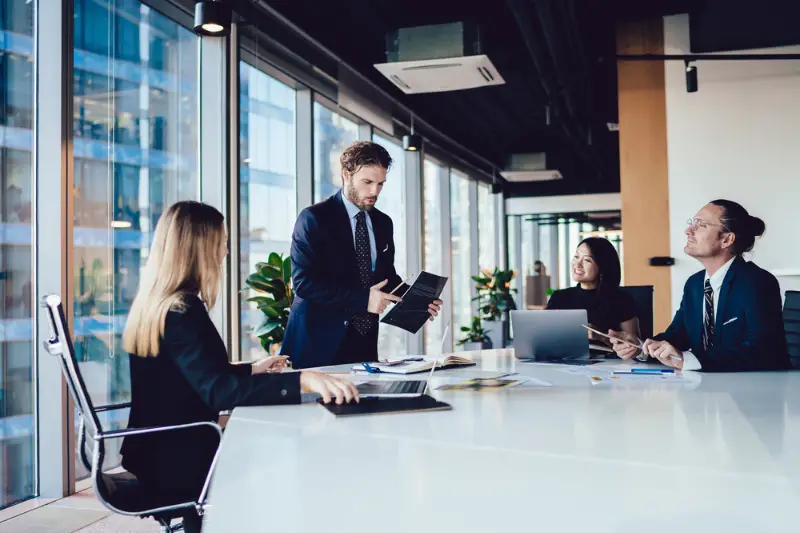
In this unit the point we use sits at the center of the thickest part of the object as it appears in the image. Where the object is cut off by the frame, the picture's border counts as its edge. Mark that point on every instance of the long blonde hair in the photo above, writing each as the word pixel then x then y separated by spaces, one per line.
pixel 184 258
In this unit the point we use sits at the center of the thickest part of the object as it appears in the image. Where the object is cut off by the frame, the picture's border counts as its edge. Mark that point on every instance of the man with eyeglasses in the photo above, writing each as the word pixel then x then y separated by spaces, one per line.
pixel 730 317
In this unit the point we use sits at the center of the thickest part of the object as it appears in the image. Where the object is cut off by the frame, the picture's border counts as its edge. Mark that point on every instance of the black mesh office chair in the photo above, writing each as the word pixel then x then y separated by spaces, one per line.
pixel 791 323
pixel 643 298
pixel 119 492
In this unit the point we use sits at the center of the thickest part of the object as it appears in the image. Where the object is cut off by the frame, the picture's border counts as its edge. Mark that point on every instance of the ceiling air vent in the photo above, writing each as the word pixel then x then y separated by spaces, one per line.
pixel 529 167
pixel 431 59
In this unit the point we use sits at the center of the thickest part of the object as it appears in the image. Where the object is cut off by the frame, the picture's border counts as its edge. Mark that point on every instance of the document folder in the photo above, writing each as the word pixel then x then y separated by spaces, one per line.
pixel 412 313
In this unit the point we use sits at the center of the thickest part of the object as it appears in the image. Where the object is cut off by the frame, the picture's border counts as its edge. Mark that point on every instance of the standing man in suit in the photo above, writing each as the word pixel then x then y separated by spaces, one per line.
pixel 343 267
pixel 730 317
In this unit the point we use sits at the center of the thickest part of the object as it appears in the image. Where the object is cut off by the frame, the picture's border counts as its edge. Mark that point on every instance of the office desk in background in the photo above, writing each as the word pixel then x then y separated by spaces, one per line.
pixel 722 454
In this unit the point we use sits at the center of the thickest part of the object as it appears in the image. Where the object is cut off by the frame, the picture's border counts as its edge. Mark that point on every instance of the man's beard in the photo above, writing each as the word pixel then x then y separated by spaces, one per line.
pixel 352 195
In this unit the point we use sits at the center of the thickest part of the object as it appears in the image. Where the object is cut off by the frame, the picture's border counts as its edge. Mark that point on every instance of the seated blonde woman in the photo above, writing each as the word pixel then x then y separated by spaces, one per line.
pixel 180 372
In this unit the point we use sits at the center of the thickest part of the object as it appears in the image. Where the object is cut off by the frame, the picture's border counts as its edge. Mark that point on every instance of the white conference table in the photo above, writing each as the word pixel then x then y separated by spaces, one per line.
pixel 719 453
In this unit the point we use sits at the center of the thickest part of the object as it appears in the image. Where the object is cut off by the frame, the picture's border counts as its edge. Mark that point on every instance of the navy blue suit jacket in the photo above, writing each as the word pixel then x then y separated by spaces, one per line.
pixel 326 282
pixel 748 333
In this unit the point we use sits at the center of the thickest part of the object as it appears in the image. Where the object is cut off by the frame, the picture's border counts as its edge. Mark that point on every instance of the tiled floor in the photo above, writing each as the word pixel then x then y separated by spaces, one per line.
pixel 81 512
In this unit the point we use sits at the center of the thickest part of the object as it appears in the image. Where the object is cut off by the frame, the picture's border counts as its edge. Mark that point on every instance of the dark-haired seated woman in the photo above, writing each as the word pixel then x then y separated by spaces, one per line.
pixel 596 269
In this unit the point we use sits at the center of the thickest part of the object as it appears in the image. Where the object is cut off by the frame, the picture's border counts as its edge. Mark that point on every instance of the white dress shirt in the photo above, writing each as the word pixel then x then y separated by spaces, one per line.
pixel 352 211
pixel 690 362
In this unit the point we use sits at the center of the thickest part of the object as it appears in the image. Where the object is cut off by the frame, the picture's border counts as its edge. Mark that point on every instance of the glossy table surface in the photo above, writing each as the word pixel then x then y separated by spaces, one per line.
pixel 715 452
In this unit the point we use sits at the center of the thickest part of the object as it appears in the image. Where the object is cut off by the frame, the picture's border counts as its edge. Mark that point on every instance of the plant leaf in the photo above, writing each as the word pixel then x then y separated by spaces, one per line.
pixel 259 283
pixel 271 312
pixel 287 270
pixel 266 328
pixel 275 260
pixel 270 272
pixel 261 300
pixel 281 304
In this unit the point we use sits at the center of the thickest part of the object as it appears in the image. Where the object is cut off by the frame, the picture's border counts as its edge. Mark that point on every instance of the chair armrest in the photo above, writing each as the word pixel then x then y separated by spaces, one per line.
pixel 200 504
pixel 112 407
pixel 116 434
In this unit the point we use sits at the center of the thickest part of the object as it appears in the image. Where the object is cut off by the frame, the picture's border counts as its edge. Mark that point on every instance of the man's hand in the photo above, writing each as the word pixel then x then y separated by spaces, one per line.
pixel 434 309
pixel 666 353
pixel 379 300
pixel 620 342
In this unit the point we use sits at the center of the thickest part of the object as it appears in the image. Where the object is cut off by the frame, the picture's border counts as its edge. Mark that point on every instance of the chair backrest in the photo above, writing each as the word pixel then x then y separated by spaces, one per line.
pixel 60 344
pixel 791 323
pixel 643 299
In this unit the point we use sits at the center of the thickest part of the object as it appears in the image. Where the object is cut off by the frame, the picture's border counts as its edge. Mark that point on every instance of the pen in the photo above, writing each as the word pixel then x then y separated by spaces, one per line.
pixel 401 284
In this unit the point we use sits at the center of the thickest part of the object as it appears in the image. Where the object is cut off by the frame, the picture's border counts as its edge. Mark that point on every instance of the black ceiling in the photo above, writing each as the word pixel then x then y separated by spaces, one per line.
pixel 556 53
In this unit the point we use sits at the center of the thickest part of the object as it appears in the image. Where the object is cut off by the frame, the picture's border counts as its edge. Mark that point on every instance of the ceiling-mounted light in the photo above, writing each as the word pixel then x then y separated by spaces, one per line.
pixel 412 142
pixel 121 224
pixel 691 78
pixel 212 19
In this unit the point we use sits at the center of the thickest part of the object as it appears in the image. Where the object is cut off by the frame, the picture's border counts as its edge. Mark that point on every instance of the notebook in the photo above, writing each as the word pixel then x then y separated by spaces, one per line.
pixel 382 406
pixel 414 367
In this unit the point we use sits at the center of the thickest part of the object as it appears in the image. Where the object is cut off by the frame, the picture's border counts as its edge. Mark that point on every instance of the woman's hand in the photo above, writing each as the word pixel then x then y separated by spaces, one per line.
pixel 622 341
pixel 274 364
pixel 328 387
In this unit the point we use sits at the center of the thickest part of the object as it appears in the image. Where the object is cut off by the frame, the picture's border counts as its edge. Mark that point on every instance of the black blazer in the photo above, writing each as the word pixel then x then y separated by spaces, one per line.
pixel 748 333
pixel 190 380
pixel 325 276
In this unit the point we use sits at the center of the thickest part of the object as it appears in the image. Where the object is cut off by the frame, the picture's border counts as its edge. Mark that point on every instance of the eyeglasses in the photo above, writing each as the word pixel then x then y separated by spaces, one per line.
pixel 696 223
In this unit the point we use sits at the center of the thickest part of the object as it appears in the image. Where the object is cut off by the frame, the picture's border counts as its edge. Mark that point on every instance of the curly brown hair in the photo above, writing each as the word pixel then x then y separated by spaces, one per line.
pixel 364 154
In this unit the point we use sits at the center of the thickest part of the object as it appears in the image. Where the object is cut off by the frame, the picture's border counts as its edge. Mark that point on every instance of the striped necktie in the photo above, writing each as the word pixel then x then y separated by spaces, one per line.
pixel 708 319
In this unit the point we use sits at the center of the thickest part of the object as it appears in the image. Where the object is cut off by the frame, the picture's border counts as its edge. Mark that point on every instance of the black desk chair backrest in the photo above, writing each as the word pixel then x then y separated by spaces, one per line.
pixel 119 492
pixel 643 298
pixel 791 323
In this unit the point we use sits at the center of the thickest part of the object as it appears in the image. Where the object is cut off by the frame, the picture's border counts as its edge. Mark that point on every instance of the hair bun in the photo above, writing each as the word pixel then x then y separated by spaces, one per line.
pixel 756 225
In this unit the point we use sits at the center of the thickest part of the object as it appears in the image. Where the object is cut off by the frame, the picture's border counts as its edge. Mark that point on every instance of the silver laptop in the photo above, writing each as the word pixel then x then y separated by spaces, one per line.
pixel 550 336
pixel 399 388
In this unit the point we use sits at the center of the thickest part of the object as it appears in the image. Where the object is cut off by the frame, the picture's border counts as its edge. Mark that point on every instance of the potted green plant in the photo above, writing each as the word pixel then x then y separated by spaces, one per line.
pixel 273 283
pixel 495 300
pixel 475 337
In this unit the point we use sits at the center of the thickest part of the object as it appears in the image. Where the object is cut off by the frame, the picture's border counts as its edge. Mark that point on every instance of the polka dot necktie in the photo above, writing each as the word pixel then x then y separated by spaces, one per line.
pixel 708 322
pixel 363 322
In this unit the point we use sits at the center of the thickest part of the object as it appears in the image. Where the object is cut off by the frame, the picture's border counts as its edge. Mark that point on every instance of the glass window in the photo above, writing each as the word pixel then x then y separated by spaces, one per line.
pixel 268 181
pixel 564 266
pixel 135 127
pixel 460 250
pixel 433 247
pixel 17 457
pixel 513 261
pixel 526 234
pixel 546 252
pixel 332 134
pixel 487 233
pixel 573 239
pixel 392 201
